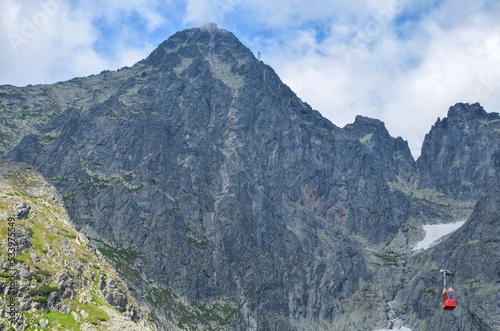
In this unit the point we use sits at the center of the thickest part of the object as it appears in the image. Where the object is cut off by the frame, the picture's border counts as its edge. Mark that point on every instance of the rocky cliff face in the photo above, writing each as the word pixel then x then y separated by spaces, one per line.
pixel 55 276
pixel 457 153
pixel 473 253
pixel 227 202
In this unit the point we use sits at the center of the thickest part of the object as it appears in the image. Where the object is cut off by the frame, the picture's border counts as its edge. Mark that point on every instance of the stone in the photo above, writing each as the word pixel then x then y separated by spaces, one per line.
pixel 44 323
pixel 21 210
pixel 84 314
pixel 76 316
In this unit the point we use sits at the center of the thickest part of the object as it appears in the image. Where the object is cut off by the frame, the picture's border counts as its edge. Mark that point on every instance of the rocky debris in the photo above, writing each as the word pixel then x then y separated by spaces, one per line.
pixel 114 294
pixel 118 322
pixel 56 268
pixel 21 210
pixel 44 323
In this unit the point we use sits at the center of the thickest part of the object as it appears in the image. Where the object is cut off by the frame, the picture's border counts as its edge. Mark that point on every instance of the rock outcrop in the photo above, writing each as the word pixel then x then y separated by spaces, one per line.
pixel 457 153
pixel 52 276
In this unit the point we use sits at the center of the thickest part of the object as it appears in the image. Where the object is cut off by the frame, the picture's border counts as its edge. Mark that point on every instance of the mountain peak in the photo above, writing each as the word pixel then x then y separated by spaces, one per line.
pixel 366 125
pixel 211 27
pixel 457 152
pixel 363 121
pixel 466 111
pixel 207 41
pixel 207 53
pixel 461 112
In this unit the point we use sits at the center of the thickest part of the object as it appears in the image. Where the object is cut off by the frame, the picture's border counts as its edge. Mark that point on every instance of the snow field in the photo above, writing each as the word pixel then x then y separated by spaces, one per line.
pixel 436 232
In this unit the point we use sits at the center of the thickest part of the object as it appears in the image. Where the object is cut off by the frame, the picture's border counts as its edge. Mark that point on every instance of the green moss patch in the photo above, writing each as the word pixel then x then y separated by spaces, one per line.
pixel 96 314
pixel 66 321
pixel 41 300
pixel 44 290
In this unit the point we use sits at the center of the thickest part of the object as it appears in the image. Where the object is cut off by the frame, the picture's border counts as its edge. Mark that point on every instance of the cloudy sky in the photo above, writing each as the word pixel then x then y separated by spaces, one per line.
pixel 404 62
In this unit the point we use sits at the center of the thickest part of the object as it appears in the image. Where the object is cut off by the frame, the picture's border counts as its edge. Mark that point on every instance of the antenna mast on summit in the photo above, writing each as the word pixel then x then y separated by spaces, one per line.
pixel 258 56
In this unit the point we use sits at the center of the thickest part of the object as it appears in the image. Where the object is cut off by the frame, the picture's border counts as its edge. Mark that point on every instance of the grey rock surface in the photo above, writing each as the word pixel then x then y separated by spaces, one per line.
pixel 21 210
pixel 473 253
pixel 457 153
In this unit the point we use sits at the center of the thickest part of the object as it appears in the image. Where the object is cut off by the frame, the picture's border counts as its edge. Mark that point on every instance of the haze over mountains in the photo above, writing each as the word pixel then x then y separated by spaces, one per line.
pixel 226 202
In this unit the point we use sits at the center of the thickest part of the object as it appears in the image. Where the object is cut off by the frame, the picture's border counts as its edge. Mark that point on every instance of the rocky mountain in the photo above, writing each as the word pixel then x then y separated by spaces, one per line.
pixel 473 253
pixel 226 202
pixel 457 153
pixel 57 278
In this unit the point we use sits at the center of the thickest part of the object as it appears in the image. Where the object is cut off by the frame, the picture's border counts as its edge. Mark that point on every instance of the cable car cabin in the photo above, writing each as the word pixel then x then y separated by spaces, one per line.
pixel 449 301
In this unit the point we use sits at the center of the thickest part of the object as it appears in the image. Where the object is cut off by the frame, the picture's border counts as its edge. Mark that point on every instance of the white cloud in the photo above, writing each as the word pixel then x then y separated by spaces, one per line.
pixel 114 11
pixel 36 37
pixel 290 13
pixel 199 12
pixel 51 40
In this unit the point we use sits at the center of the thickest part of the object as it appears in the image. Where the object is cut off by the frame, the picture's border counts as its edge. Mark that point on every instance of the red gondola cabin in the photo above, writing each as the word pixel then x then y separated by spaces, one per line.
pixel 449 302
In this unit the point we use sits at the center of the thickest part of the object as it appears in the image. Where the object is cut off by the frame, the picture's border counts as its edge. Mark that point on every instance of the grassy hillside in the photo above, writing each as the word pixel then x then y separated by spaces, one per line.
pixel 56 278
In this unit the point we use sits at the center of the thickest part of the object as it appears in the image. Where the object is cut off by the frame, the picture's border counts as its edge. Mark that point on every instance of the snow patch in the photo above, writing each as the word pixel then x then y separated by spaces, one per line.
pixel 435 232
pixel 402 328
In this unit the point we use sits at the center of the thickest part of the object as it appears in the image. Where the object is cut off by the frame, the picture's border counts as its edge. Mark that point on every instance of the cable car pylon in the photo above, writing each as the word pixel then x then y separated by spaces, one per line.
pixel 449 297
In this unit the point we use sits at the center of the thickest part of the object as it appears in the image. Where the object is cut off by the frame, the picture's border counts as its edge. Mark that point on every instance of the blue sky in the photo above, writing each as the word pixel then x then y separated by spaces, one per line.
pixel 404 62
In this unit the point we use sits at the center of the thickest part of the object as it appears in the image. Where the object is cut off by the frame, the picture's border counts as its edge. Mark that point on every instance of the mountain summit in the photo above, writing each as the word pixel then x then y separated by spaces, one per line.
pixel 457 153
pixel 227 202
